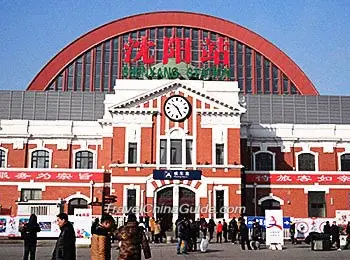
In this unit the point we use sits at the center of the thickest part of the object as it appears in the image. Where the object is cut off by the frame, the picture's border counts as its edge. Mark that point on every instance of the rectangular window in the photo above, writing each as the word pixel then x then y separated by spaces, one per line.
pixel 132 153
pixel 131 199
pixel 219 203
pixel 188 151
pixel 317 204
pixel 31 194
pixel 219 154
pixel 176 151
pixel 2 159
pixel 163 151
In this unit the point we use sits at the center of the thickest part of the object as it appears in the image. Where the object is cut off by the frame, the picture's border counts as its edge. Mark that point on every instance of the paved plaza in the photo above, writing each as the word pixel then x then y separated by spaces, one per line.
pixel 13 250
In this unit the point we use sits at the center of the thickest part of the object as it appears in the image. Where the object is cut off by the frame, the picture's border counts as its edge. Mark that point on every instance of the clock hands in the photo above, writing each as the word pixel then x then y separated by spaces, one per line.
pixel 177 109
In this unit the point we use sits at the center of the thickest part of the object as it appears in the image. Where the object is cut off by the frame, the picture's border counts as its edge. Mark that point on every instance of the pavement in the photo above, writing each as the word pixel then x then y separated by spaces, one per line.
pixel 13 250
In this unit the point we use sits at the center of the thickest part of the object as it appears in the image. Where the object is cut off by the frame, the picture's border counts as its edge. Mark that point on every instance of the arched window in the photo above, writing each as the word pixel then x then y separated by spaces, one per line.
pixel 264 161
pixel 345 162
pixel 2 158
pixel 40 159
pixel 84 160
pixel 306 162
pixel 77 203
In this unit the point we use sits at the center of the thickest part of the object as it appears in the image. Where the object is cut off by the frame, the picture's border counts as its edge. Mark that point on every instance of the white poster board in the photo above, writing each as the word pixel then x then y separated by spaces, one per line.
pixel 274 226
pixel 342 217
pixel 82 221
pixel 303 226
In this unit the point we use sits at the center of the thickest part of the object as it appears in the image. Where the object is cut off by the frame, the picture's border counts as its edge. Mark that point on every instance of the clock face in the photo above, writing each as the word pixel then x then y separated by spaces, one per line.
pixel 177 108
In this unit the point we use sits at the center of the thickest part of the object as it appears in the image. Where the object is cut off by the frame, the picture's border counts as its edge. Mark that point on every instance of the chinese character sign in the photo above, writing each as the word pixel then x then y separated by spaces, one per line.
pixel 178 48
pixel 50 176
pixel 297 178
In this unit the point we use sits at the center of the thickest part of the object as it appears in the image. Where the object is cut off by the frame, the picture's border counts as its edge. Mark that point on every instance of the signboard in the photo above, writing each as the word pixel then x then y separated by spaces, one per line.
pixel 50 175
pixel 177 174
pixel 342 217
pixel 262 222
pixel 180 50
pixel 297 178
pixel 274 226
pixel 303 226
pixel 82 226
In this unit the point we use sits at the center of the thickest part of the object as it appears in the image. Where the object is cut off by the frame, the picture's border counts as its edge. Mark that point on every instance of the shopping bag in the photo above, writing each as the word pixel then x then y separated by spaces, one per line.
pixel 204 245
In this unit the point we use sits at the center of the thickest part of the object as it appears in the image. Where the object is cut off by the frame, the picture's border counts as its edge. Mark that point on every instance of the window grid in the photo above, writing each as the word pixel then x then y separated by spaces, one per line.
pixel 40 159
pixel 84 160
pixel 263 161
pixel 2 159
pixel 306 162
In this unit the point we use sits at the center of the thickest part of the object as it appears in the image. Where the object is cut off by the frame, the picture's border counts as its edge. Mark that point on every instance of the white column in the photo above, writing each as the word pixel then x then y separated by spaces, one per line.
pixel 175 202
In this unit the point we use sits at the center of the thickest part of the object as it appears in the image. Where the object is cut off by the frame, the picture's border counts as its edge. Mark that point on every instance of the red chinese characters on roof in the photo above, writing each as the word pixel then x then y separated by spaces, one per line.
pixel 179 48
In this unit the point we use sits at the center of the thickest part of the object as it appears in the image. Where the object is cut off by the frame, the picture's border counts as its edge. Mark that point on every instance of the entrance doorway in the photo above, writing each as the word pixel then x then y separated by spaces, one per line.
pixel 165 208
pixel 181 199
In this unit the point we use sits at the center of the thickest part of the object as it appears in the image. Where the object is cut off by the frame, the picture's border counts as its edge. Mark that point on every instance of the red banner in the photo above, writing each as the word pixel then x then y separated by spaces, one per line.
pixel 50 176
pixel 302 178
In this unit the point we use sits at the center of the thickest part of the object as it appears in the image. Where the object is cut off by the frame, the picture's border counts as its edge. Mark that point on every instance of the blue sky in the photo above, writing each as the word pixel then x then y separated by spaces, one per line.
pixel 314 33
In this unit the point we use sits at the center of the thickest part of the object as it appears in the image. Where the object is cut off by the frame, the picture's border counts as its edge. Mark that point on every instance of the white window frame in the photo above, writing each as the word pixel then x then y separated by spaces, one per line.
pixel 94 157
pixel 31 151
pixel 311 152
pixel 273 159
pixel 132 135
pixel 339 159
pixel 125 196
pixel 176 133
pixel 226 200
pixel 6 154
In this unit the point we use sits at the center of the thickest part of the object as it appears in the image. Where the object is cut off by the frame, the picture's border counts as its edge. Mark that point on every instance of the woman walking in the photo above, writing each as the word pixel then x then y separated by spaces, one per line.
pixel 29 234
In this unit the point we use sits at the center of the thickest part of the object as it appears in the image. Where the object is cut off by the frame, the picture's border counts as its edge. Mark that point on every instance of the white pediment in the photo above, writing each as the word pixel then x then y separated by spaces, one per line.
pixel 132 95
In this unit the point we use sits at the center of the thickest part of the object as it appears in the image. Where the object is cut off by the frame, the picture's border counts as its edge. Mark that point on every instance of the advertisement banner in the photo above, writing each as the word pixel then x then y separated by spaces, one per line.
pixel 82 221
pixel 274 227
pixel 303 226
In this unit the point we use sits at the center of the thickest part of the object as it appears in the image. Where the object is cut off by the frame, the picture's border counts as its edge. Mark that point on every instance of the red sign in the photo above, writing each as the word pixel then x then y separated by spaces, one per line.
pixel 302 178
pixel 179 48
pixel 50 176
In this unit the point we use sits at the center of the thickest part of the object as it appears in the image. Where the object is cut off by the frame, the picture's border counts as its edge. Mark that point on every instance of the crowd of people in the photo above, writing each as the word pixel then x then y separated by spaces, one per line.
pixel 133 239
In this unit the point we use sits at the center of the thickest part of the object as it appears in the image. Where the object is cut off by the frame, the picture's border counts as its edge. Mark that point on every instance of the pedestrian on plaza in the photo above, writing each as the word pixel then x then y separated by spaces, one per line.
pixel 224 230
pixel 147 222
pixel 335 232
pixel 152 227
pixel 256 234
pixel 203 226
pixel 29 235
pixel 132 239
pixel 292 233
pixel 65 244
pixel 327 228
pixel 219 229
pixel 347 230
pixel 244 234
pixel 194 234
pixel 233 227
pixel 157 233
pixel 211 226
pixel 183 234
pixel 100 242
pixel 94 225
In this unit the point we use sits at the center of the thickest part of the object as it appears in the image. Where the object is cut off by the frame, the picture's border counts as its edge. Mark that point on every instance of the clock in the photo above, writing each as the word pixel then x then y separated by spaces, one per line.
pixel 177 108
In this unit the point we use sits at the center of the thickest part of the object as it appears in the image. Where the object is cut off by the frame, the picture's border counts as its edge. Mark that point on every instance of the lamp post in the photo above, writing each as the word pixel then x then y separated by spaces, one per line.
pixel 255 200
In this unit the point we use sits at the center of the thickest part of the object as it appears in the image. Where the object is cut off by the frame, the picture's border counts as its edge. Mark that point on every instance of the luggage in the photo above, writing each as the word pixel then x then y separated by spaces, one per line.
pixel 204 245
pixel 321 245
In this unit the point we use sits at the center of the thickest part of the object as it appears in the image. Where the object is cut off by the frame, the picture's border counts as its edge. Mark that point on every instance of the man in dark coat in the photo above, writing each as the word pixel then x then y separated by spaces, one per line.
pixel 183 234
pixel 233 227
pixel 132 238
pixel 327 228
pixel 224 230
pixel 29 235
pixel 335 232
pixel 65 245
pixel 244 234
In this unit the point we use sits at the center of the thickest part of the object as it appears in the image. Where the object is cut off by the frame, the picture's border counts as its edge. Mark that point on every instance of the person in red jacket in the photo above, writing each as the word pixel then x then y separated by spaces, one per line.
pixel 219 228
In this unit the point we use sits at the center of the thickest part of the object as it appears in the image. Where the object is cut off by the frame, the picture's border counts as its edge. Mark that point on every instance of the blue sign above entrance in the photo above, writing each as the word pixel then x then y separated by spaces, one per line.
pixel 177 174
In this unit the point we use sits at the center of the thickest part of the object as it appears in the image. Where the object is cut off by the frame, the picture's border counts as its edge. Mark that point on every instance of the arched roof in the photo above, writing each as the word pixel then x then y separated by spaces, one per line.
pixel 173 18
